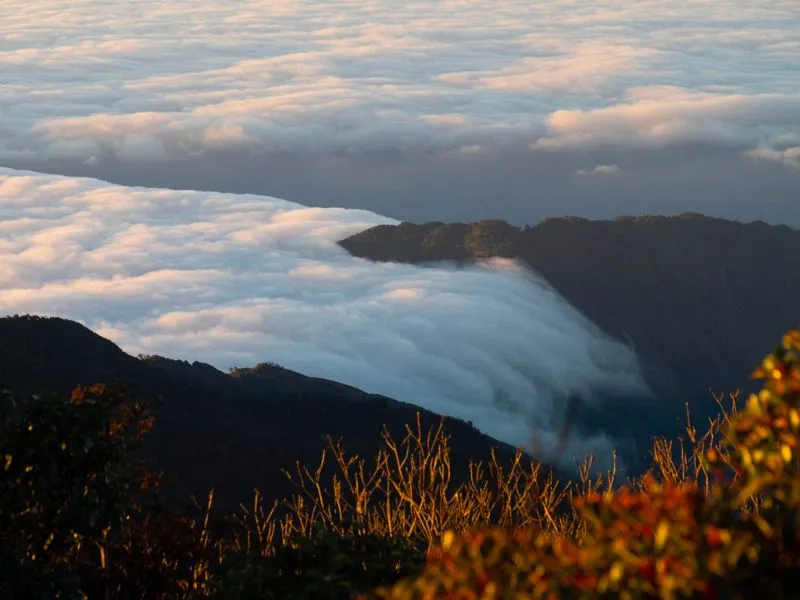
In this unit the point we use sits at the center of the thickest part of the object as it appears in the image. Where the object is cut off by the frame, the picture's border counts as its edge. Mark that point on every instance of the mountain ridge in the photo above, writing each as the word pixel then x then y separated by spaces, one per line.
pixel 235 431
pixel 699 297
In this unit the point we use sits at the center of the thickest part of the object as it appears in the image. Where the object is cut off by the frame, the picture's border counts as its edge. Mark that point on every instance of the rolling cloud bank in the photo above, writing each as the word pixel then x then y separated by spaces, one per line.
pixel 452 110
pixel 236 280
pixel 152 81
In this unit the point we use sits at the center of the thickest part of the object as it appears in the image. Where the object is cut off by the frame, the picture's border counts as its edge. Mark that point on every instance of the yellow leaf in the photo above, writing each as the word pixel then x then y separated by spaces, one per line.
pixel 616 572
pixel 662 532
pixel 786 453
pixel 448 537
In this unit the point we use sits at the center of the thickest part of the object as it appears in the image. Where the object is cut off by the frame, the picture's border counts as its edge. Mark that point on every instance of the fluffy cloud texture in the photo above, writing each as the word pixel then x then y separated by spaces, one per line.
pixel 236 280
pixel 599 170
pixel 157 80
pixel 788 156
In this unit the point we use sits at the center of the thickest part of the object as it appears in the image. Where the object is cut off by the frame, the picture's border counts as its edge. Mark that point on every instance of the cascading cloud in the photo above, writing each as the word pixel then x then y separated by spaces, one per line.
pixel 234 280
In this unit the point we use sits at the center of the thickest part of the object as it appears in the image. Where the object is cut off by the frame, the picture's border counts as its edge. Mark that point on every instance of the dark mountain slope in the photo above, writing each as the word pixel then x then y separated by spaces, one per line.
pixel 233 431
pixel 701 298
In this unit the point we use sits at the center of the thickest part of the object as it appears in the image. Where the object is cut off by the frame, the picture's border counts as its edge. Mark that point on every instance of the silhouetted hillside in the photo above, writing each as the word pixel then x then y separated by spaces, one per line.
pixel 699 297
pixel 232 431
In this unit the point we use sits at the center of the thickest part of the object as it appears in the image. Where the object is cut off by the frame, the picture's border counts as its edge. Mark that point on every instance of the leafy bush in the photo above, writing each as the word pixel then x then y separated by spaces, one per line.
pixel 66 484
pixel 79 516
pixel 323 565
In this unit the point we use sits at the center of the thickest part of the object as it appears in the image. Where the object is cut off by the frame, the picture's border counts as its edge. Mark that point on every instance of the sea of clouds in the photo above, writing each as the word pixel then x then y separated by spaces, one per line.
pixel 234 280
pixel 159 80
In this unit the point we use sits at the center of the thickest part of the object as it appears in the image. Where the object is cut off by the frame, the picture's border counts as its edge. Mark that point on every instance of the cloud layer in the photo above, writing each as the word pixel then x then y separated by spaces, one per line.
pixel 316 98
pixel 236 280
pixel 148 81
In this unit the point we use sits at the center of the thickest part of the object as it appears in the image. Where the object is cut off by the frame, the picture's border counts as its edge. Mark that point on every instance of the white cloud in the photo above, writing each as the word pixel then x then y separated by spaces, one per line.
pixel 674 115
pixel 141 82
pixel 787 156
pixel 599 170
pixel 584 69
pixel 236 280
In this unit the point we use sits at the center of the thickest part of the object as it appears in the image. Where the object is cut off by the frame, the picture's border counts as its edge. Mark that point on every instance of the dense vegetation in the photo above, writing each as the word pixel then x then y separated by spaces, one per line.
pixel 715 516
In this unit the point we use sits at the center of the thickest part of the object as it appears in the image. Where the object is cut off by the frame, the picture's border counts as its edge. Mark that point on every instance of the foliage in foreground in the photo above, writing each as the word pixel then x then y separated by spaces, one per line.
pixel 663 539
pixel 79 517
pixel 322 565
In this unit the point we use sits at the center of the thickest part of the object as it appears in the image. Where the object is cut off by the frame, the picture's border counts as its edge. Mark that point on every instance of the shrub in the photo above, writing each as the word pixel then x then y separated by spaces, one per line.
pixel 323 565
pixel 79 516
pixel 660 540
pixel 66 484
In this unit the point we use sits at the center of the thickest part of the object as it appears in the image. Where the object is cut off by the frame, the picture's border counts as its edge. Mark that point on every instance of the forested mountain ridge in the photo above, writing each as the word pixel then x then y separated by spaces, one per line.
pixel 699 297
